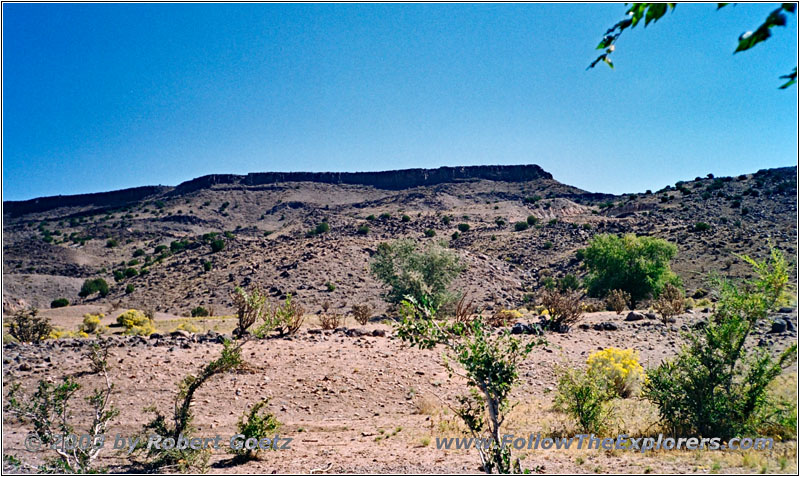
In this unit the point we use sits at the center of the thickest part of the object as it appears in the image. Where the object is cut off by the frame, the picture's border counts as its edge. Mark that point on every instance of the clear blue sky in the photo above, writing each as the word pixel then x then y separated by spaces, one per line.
pixel 101 97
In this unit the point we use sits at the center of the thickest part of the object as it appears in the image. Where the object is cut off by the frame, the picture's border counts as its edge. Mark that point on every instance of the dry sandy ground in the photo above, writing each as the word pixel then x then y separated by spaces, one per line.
pixel 369 405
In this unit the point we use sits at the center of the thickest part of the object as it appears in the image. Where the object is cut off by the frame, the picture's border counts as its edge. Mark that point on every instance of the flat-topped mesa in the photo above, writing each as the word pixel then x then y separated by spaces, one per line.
pixel 393 180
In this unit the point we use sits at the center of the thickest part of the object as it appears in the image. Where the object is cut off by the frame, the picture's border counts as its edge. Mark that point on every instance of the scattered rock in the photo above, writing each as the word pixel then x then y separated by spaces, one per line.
pixel 634 316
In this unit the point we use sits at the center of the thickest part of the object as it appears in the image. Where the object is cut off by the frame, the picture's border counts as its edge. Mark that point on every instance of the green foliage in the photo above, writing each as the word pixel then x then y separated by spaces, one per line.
pixel 371 217
pixel 181 422
pixel 636 265
pixel 138 252
pixel 405 218
pixel 249 308
pixel 207 266
pixel 111 243
pixel 363 230
pixel 410 271
pixel 217 245
pixel 652 12
pixel 285 319
pixel 446 219
pixel 463 227
pixel 716 386
pixel 520 226
pixel 585 399
pixel 49 410
pixel 490 363
pixel 159 249
pixel 28 327
pixel 257 424
pixel 92 286
pixel 701 227
pixel 532 220
pixel 178 245
pixel 199 311
pixel 129 288
pixel 59 303
pixel 320 229
pixel 330 286
pixel 430 233
pixel 131 272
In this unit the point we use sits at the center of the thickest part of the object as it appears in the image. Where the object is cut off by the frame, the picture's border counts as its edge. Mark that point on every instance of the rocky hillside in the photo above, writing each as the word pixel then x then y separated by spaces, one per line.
pixel 160 242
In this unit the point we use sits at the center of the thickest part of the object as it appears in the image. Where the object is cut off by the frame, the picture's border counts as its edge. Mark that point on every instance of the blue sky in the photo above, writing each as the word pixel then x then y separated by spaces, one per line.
pixel 99 97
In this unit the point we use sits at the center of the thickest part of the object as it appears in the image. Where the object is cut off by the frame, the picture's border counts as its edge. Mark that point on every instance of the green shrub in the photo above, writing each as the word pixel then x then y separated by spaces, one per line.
pixel 111 243
pixel 199 311
pixel 701 227
pixel 430 233
pixel 520 226
pixel 92 286
pixel 321 228
pixel 717 386
pixel 178 245
pixel 250 307
pixel 131 272
pixel 636 265
pixel 446 219
pixel 363 230
pixel 405 218
pixel 386 216
pixel 371 217
pixel 138 252
pixel 133 263
pixel 455 235
pixel 532 220
pixel 285 318
pixel 217 245
pixel 463 227
pixel 330 286
pixel 28 327
pixel 59 303
pixel 585 399
pixel 410 271
pixel 159 249
pixel 129 288
pixel 547 245
pixel 257 424
pixel 207 266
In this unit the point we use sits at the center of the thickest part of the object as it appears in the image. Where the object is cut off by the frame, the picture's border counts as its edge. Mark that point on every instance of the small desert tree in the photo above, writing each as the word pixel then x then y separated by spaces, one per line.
pixel 420 273
pixel 716 386
pixel 636 265
pixel 670 302
pixel 488 361
pixel 28 327
pixel 188 458
pixel 249 308
pixel 565 308
pixel 49 409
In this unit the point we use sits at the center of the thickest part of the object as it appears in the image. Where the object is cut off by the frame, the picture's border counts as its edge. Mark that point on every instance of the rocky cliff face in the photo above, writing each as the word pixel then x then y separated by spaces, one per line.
pixel 391 180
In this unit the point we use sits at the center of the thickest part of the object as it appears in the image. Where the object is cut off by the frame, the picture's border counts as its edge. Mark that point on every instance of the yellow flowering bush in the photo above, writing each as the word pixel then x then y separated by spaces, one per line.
pixel 187 326
pixel 136 323
pixel 504 317
pixel 91 323
pixel 620 368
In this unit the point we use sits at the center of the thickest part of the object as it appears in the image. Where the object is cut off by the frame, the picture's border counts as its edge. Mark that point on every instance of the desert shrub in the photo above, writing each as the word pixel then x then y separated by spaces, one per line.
pixel 446 219
pixel 159 249
pixel 119 275
pixel 503 318
pixel 207 266
pixel 619 368
pixel 405 218
pixel 217 245
pixel 59 303
pixel 363 230
pixel 179 424
pixel 329 320
pixel 701 227
pixel 430 233
pixel 321 228
pixel 131 272
pixel 93 285
pixel 585 399
pixel 455 235
pixel 91 323
pixel 490 362
pixel 285 318
pixel 250 307
pixel 178 245
pixel 49 409
pixel 111 243
pixel 362 313
pixel 258 424
pixel 618 300
pixel 564 308
pixel 371 217
pixel 138 252
pixel 531 220
pixel 185 325
pixel 133 263
pixel 136 322
pixel 569 282
pixel 199 311
pixel 129 288
pixel 716 386
pixel 463 227
pixel 520 226
pixel 330 286
pixel 670 302
pixel 636 265
pixel 500 222
pixel 28 327
pixel 411 271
